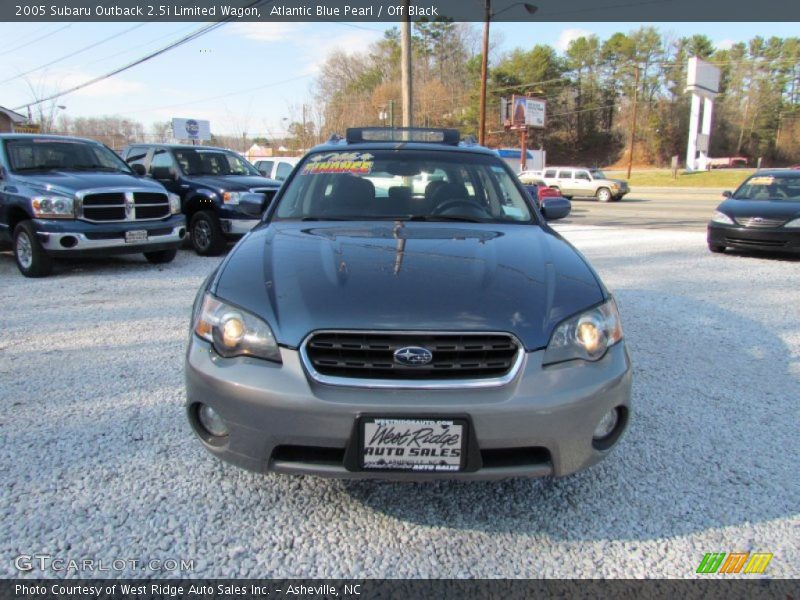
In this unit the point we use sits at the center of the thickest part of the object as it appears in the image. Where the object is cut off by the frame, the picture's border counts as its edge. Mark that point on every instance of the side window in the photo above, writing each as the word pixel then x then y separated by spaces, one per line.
pixel 550 173
pixel 583 175
pixel 283 171
pixel 565 174
pixel 162 158
pixel 265 167
pixel 136 155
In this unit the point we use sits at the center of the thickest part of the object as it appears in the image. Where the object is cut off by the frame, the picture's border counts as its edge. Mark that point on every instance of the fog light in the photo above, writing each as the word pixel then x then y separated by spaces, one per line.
pixel 211 421
pixel 606 424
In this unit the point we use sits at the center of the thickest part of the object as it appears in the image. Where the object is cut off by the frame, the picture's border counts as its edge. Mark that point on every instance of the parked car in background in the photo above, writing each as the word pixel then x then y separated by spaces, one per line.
pixel 583 182
pixel 62 196
pixel 278 167
pixel 762 214
pixel 528 177
pixel 727 162
pixel 210 182
pixel 372 331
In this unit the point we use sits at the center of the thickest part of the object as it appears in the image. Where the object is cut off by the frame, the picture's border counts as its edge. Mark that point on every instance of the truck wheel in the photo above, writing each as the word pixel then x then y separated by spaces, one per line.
pixel 604 195
pixel 206 234
pixel 160 257
pixel 31 258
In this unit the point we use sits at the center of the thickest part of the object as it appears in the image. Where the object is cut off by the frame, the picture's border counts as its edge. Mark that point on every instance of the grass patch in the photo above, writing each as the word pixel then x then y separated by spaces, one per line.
pixel 719 178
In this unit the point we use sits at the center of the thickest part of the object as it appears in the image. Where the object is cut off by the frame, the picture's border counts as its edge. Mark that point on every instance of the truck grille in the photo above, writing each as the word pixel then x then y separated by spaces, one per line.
pixel 125 206
pixel 760 222
pixel 370 356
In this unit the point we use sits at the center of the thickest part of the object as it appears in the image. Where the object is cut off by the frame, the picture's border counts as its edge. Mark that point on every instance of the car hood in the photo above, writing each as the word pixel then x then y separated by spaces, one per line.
pixel 234 183
pixel 69 182
pixel 769 209
pixel 302 277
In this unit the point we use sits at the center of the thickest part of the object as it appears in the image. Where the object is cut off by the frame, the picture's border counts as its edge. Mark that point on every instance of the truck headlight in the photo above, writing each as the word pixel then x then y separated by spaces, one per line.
pixel 585 336
pixel 231 197
pixel 234 332
pixel 174 204
pixel 53 207
pixel 721 217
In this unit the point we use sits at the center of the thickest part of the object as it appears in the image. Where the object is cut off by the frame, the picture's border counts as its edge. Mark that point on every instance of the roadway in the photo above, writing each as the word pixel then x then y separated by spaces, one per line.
pixel 686 209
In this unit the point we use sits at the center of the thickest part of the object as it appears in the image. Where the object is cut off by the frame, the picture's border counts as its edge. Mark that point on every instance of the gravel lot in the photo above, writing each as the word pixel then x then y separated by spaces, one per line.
pixel 99 462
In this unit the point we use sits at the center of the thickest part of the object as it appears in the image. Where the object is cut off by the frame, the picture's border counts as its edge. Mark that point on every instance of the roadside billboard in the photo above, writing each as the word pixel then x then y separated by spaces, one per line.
pixel 191 129
pixel 528 112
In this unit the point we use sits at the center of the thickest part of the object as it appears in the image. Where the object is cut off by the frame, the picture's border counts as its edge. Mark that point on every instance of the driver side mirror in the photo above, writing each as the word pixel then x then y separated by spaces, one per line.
pixel 554 208
pixel 163 173
pixel 139 169
pixel 253 205
pixel 727 194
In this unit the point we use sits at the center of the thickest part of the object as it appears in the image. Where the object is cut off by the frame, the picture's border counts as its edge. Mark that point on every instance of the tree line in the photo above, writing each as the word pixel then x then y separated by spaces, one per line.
pixel 589 90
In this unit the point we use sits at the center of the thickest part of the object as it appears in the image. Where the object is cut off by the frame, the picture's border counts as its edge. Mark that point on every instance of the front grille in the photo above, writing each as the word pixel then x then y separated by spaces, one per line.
pixel 760 223
pixel 114 206
pixel 370 355
pixel 755 243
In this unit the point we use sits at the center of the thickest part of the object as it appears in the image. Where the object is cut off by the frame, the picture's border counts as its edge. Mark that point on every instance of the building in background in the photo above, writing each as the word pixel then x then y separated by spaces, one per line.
pixel 10 121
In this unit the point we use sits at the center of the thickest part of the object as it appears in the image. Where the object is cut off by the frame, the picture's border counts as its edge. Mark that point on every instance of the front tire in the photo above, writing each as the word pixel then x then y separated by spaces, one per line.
pixel 32 260
pixel 206 234
pixel 716 249
pixel 604 195
pixel 161 257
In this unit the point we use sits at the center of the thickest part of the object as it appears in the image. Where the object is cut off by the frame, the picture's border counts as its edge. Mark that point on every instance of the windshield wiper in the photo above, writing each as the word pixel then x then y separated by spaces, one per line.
pixel 38 168
pixel 327 219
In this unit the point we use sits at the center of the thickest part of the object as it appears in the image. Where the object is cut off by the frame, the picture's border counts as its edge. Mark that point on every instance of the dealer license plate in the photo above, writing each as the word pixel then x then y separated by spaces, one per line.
pixel 395 444
pixel 137 235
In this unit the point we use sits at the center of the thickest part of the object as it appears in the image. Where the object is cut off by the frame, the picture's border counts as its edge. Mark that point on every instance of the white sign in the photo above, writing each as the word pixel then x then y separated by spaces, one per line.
pixel 535 112
pixel 191 129
pixel 701 75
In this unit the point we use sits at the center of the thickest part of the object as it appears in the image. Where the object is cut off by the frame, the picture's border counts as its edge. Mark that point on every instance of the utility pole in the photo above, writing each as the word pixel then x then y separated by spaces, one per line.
pixel 391 114
pixel 405 66
pixel 633 124
pixel 487 17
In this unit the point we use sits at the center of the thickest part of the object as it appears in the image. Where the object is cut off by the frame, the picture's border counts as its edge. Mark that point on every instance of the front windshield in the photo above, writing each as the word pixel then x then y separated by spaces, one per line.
pixel 199 161
pixel 405 184
pixel 598 174
pixel 47 154
pixel 767 187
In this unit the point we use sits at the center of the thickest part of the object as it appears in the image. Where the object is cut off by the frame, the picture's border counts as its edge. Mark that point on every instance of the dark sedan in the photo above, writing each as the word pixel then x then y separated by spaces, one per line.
pixel 762 214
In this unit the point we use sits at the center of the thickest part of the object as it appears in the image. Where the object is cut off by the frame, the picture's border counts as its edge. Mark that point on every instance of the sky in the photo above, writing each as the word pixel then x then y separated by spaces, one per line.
pixel 243 77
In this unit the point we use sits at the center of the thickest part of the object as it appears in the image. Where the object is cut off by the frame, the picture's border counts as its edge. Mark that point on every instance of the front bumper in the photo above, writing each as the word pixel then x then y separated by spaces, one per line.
pixel 79 238
pixel 237 226
pixel 539 424
pixel 779 239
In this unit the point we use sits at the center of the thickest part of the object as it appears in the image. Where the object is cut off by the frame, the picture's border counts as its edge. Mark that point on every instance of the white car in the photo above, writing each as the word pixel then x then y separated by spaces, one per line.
pixel 581 181
pixel 277 167
pixel 529 177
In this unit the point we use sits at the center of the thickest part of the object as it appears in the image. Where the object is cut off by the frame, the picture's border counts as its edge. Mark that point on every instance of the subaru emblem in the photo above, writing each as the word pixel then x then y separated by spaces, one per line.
pixel 413 356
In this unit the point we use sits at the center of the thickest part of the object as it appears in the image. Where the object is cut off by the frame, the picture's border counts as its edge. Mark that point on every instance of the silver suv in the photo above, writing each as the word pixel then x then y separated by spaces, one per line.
pixel 581 181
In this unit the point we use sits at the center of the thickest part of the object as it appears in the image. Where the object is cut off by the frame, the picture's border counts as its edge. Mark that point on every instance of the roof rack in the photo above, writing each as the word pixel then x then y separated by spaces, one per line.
pixel 423 135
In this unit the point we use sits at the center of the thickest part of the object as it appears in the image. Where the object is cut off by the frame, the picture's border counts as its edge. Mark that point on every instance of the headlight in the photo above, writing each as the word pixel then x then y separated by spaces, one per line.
pixel 721 217
pixel 793 223
pixel 586 336
pixel 231 197
pixel 174 204
pixel 53 207
pixel 235 332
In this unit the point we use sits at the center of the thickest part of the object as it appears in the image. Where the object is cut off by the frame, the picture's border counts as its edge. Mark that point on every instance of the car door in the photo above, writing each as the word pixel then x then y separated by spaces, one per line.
pixel 582 183
pixel 5 199
pixel 164 168
pixel 564 182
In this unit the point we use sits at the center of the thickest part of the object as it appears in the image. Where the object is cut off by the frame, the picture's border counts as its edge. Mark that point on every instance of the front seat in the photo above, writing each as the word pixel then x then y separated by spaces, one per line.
pixel 351 197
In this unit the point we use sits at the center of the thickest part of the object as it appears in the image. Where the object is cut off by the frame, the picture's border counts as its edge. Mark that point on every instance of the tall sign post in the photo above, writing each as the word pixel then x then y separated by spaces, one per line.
pixel 702 81
pixel 519 114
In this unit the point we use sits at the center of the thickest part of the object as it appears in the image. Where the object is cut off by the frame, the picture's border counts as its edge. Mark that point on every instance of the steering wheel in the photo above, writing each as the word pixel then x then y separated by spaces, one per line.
pixel 472 208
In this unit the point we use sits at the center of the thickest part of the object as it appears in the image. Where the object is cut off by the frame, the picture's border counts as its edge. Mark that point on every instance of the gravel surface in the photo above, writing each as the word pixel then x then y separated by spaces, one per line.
pixel 99 462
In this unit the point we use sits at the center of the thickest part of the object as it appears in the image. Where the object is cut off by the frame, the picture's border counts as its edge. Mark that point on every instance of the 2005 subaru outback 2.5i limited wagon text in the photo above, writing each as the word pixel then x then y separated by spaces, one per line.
pixel 63 196
pixel 371 327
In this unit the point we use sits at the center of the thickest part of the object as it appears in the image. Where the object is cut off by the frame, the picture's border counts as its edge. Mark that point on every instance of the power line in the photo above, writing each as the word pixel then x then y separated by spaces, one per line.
pixel 75 53
pixel 26 44
pixel 188 38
